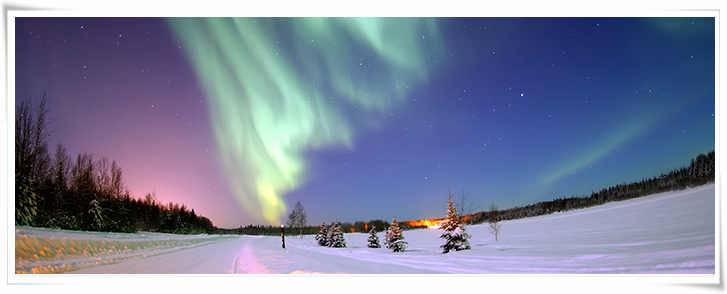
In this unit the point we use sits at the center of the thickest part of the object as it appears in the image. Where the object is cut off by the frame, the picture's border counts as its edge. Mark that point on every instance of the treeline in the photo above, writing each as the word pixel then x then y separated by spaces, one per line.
pixel 701 171
pixel 359 226
pixel 83 193
pixel 269 230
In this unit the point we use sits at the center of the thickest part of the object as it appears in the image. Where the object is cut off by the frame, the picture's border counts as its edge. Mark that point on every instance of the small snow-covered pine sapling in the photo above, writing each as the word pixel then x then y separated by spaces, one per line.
pixel 335 236
pixel 373 240
pixel 454 233
pixel 494 220
pixel 395 237
pixel 329 234
pixel 322 236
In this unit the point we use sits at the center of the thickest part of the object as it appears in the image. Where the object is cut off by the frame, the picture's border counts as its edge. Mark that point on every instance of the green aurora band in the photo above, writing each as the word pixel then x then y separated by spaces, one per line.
pixel 279 87
pixel 618 137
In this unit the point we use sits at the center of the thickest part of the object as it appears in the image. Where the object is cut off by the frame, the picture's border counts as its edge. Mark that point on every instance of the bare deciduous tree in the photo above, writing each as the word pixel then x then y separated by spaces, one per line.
pixel 62 162
pixel 495 220
pixel 103 176
pixel 82 175
pixel 32 162
pixel 117 180
pixel 297 219
pixel 465 209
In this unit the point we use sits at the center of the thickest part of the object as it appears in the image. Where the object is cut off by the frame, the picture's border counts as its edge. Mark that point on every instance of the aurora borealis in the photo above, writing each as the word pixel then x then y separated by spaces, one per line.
pixel 267 109
pixel 371 118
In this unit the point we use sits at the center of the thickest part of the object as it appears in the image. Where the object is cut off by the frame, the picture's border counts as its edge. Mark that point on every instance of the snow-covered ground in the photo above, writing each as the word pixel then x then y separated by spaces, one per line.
pixel 668 233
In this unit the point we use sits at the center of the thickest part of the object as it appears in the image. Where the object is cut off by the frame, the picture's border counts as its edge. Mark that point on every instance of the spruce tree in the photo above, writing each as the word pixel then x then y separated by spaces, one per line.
pixel 335 236
pixel 454 232
pixel 322 236
pixel 395 238
pixel 373 239
pixel 329 234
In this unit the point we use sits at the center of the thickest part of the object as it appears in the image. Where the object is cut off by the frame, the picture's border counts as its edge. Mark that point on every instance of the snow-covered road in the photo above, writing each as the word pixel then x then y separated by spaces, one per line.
pixel 256 255
pixel 665 233
pixel 214 258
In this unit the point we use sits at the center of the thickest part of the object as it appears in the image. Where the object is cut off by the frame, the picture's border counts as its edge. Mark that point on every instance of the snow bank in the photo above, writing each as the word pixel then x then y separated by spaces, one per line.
pixel 42 250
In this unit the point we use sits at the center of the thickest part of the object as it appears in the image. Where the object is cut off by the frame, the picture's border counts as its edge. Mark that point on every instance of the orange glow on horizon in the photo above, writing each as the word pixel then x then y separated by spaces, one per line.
pixel 429 223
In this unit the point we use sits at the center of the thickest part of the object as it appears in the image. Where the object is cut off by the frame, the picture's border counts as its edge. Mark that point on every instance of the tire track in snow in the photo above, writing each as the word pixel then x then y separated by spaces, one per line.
pixel 245 262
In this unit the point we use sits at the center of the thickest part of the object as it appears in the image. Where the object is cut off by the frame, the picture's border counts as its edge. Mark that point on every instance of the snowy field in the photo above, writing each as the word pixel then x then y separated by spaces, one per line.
pixel 668 233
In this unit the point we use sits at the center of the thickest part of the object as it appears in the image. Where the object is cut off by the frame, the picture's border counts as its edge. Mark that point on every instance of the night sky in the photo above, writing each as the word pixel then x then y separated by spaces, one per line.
pixel 362 119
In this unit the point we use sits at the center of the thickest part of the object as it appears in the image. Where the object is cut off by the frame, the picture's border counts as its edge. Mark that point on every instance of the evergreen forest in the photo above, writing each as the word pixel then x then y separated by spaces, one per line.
pixel 56 190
